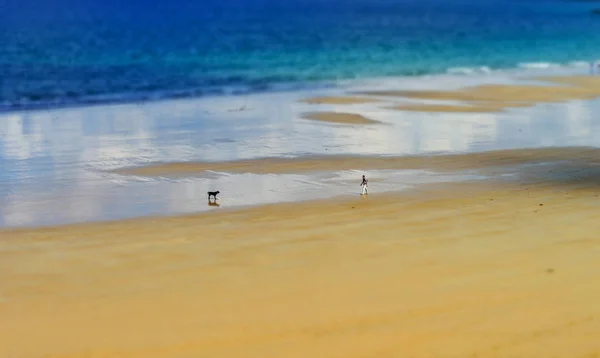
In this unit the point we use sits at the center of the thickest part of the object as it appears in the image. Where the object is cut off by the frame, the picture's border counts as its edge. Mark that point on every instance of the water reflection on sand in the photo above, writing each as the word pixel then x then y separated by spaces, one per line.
pixel 52 162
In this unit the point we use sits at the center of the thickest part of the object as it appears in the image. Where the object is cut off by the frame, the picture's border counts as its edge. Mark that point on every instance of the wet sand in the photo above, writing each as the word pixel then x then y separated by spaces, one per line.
pixel 487 270
pixel 481 107
pixel 501 93
pixel 335 117
pixel 488 98
pixel 592 82
pixel 335 163
pixel 339 100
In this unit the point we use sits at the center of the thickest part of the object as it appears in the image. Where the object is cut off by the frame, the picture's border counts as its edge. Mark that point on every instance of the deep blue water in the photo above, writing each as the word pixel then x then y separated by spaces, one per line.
pixel 75 51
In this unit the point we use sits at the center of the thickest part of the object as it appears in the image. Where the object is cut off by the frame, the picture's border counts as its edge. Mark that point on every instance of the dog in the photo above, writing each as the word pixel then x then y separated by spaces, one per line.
pixel 213 194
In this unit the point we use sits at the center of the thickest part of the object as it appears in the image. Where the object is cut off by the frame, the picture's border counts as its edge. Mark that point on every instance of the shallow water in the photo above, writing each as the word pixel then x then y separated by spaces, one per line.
pixel 53 163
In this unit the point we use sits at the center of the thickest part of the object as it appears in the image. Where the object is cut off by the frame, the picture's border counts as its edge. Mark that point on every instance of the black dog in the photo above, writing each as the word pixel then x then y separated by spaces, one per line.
pixel 213 194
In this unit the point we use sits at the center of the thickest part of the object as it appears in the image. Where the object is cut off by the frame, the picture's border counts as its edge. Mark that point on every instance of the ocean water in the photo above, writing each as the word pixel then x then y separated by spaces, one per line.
pixel 66 52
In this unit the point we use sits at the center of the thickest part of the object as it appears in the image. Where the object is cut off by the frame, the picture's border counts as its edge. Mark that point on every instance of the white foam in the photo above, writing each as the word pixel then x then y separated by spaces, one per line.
pixel 579 64
pixel 539 65
pixel 469 70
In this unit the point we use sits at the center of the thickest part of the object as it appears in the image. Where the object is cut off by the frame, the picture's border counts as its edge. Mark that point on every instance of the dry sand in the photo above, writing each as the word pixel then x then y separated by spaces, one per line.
pixel 504 270
pixel 336 117
pixel 330 163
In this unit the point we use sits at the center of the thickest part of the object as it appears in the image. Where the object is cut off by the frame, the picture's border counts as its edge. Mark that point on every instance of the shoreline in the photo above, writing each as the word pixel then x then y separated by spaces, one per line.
pixel 301 87
pixel 561 167
pixel 228 212
pixel 427 191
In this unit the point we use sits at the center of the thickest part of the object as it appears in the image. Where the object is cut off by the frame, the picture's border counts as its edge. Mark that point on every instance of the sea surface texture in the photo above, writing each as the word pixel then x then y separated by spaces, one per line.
pixel 61 52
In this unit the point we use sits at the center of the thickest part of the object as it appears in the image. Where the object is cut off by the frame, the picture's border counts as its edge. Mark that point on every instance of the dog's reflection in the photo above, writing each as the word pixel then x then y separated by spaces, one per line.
pixel 213 203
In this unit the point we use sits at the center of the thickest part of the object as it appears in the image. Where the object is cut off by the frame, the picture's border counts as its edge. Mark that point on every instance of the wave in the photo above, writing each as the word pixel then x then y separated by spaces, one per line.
pixel 469 70
pixel 479 70
pixel 35 98
pixel 552 65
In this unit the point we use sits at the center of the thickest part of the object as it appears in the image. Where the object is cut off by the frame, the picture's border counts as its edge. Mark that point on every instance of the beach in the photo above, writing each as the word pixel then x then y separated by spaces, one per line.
pixel 474 122
pixel 476 239
pixel 494 269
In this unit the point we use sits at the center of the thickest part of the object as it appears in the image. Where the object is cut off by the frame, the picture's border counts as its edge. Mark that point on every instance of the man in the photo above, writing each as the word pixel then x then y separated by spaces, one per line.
pixel 364 186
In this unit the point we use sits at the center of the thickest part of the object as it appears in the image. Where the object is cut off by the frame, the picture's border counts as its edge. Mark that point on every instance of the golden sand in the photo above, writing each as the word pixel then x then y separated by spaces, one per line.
pixel 339 100
pixel 484 98
pixel 500 93
pixel 335 117
pixel 455 271
pixel 329 163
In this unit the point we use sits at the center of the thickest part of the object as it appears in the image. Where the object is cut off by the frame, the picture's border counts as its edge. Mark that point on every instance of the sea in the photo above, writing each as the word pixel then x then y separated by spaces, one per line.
pixel 66 52
pixel 89 86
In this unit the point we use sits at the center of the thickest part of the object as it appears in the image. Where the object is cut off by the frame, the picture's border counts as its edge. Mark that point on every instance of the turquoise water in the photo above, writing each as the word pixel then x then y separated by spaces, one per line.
pixel 83 51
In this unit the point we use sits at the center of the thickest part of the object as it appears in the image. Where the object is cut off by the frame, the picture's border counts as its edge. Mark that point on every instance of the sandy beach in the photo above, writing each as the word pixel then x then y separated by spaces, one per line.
pixel 475 123
pixel 501 267
pixel 487 270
